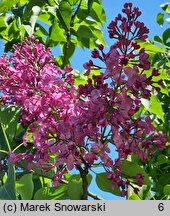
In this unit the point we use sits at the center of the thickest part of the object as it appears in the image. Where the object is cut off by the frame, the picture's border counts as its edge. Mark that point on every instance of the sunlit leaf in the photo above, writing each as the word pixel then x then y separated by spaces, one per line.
pixel 40 31
pixel 45 18
pixel 144 192
pixel 166 7
pixel 6 4
pixel 64 14
pixel 98 13
pixel 166 189
pixel 75 189
pixel 52 193
pixel 151 47
pixel 57 33
pixel 156 107
pixel 23 1
pixel 134 196
pixel 22 186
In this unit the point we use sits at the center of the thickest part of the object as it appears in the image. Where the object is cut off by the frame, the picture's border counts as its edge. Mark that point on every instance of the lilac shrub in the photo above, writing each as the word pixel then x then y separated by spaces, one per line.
pixel 77 125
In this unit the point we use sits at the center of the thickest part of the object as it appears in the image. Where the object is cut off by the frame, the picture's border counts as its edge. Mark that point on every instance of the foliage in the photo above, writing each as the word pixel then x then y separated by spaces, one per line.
pixel 54 119
pixel 63 23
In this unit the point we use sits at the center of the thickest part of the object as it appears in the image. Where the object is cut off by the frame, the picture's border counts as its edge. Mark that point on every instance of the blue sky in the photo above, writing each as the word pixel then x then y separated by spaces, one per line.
pixel 149 8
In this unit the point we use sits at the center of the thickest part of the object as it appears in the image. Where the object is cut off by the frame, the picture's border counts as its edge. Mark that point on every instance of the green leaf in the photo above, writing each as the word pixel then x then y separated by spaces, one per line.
pixel 79 81
pixel 144 192
pixel 52 11
pixel 89 179
pixel 52 193
pixel 40 31
pixel 6 4
pixel 82 13
pixel 84 32
pixel 7 191
pixel 160 19
pixel 89 43
pixel 73 2
pixel 13 30
pixel 23 1
pixel 9 45
pixel 37 184
pixel 134 196
pixel 165 7
pixel 45 18
pixel 8 19
pixel 30 5
pixel 130 168
pixel 79 78
pixel 166 35
pixel 59 61
pixel 149 47
pixel 99 36
pixel 162 181
pixel 64 14
pixel 51 2
pixel 166 189
pixel 9 116
pixel 22 186
pixel 161 159
pixel 3 143
pixel 106 185
pixel 2 23
pixel 97 13
pixel 18 12
pixel 2 174
pixel 57 33
pixel 158 39
pixel 156 107
pixel 75 189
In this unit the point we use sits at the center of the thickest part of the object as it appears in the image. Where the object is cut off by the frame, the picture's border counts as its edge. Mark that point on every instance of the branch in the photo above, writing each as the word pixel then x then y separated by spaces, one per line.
pixel 74 15
pixel 84 173
pixel 65 50
pixel 94 196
